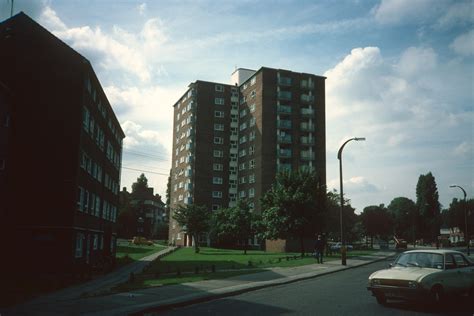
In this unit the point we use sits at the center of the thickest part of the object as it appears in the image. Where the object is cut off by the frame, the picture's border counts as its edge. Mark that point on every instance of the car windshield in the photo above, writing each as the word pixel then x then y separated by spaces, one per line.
pixel 421 259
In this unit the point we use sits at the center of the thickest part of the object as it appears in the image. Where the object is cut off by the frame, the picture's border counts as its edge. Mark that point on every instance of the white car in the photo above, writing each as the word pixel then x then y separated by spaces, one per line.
pixel 421 274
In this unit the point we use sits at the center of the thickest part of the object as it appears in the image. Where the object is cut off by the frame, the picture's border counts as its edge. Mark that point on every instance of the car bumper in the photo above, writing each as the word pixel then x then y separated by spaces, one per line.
pixel 402 293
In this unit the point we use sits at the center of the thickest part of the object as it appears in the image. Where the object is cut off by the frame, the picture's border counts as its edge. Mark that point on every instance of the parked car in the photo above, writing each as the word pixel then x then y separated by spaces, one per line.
pixel 424 274
pixel 141 241
pixel 337 247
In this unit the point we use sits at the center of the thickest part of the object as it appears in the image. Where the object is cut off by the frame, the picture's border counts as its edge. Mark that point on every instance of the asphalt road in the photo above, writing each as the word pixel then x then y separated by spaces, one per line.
pixel 341 293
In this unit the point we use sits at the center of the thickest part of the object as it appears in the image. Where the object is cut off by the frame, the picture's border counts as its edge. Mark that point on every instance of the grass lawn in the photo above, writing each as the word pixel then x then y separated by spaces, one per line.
pixel 184 265
pixel 128 252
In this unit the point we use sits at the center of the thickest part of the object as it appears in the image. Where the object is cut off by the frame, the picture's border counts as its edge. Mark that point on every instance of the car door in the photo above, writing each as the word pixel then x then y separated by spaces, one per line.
pixel 465 271
pixel 451 275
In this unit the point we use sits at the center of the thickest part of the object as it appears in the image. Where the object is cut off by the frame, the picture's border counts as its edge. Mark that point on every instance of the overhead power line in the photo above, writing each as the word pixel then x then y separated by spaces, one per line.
pixel 147 171
pixel 136 153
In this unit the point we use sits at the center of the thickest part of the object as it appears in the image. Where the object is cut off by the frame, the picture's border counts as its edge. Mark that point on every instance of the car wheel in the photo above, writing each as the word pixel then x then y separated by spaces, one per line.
pixel 381 299
pixel 437 295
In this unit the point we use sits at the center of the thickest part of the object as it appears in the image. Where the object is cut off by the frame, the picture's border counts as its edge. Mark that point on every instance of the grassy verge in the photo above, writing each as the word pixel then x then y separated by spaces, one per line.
pixel 127 253
pixel 186 266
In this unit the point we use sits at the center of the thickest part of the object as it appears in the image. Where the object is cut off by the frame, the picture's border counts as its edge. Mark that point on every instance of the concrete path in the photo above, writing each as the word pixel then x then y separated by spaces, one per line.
pixel 160 298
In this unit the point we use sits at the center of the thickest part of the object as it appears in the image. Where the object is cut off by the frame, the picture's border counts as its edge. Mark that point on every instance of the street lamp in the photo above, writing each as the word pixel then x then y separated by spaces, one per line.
pixel 339 156
pixel 466 234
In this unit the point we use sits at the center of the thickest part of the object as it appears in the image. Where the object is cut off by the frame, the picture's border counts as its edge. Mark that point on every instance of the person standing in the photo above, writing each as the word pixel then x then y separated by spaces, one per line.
pixel 319 249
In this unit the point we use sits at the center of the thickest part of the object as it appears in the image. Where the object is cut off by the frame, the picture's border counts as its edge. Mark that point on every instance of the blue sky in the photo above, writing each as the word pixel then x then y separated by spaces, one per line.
pixel 398 72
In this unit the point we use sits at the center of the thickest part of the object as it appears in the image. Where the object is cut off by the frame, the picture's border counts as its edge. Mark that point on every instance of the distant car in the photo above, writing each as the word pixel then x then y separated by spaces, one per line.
pixel 141 241
pixel 401 244
pixel 337 247
pixel 424 274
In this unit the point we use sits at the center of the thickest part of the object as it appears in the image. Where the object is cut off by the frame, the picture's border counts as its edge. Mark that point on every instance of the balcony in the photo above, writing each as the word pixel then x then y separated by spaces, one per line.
pixel 188 200
pixel 305 140
pixel 284 139
pixel 284 167
pixel 284 124
pixel 306 127
pixel 284 95
pixel 307 85
pixel 307 112
pixel 284 81
pixel 284 153
pixel 307 99
pixel 306 155
pixel 188 186
pixel 284 109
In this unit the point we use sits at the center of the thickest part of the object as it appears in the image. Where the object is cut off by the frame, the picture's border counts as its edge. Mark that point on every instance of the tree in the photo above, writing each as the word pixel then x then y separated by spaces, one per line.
pixel 194 219
pixel 141 185
pixel 376 222
pixel 293 207
pixel 456 216
pixel 350 223
pixel 427 201
pixel 405 216
pixel 237 223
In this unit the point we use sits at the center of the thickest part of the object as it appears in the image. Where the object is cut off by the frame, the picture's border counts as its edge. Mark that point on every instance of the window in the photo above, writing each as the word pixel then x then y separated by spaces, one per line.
pixel 218 140
pixel 252 136
pixel 242 153
pixel 252 121
pixel 218 113
pixel 217 194
pixel 252 108
pixel 219 101
pixel 97 206
pixel 85 118
pixel 215 207
pixel 85 201
pixel 242 194
pixel 252 164
pixel 242 166
pixel 242 180
pixel 6 122
pixel 243 126
pixel 251 192
pixel 253 94
pixel 218 127
pixel 219 88
pixel 218 153
pixel 79 242
pixel 251 150
pixel 216 180
pixel 253 80
pixel 252 178
pixel 95 242
pixel 242 139
pixel 217 167
pixel 80 198
pixel 243 113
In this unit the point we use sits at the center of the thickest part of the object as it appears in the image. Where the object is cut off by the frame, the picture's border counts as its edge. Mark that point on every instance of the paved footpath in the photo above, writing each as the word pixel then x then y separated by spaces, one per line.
pixel 69 302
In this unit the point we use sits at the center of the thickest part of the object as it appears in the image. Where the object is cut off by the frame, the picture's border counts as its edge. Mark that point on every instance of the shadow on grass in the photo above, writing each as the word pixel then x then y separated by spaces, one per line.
pixel 133 250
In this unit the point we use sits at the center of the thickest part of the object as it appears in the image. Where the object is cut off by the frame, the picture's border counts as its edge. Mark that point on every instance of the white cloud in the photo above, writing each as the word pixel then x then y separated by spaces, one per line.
pixel 464 44
pixel 465 149
pixel 396 11
pixel 354 185
pixel 416 60
pixel 458 13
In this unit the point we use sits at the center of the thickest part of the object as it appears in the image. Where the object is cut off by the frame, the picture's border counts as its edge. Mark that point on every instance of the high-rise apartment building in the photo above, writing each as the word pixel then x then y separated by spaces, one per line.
pixel 231 140
pixel 60 155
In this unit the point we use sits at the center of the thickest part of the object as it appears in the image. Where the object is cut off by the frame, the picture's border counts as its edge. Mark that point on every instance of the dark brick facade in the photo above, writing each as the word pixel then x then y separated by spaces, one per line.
pixel 64 154
pixel 278 123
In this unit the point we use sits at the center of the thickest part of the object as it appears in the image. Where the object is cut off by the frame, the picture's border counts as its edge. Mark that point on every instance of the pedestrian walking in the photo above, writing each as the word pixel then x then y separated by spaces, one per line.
pixel 319 249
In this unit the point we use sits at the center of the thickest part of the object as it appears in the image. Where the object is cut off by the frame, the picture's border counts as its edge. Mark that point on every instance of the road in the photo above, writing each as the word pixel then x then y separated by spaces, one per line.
pixel 341 293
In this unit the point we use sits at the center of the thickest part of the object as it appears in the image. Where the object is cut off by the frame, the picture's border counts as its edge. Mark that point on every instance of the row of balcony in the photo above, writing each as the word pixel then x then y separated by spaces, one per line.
pixel 304 126
pixel 287 167
pixel 287 139
pixel 287 82
pixel 304 154
pixel 285 109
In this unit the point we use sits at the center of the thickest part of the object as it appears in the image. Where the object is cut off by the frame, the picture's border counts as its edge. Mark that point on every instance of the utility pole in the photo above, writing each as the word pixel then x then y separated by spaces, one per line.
pixel 11 9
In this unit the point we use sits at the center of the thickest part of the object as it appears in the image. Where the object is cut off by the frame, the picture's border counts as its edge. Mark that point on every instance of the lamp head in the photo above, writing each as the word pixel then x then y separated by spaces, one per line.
pixel 359 138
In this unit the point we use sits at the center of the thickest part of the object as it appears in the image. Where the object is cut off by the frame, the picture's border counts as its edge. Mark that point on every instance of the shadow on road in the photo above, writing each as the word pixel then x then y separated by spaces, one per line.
pixel 455 306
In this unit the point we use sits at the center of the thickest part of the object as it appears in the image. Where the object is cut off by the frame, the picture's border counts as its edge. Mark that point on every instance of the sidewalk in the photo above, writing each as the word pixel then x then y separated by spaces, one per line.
pixel 160 298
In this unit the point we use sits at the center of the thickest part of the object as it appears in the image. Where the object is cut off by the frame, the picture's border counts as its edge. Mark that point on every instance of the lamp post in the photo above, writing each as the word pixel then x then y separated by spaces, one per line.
pixel 466 234
pixel 339 156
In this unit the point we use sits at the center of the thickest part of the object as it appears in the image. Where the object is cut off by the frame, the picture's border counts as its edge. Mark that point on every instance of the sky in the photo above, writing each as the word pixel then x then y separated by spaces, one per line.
pixel 399 72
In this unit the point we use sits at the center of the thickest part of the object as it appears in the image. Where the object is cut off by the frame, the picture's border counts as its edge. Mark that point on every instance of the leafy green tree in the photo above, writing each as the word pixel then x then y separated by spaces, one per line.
pixel 195 219
pixel 141 185
pixel 350 223
pixel 376 222
pixel 237 223
pixel 456 216
pixel 405 217
pixel 293 207
pixel 427 201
